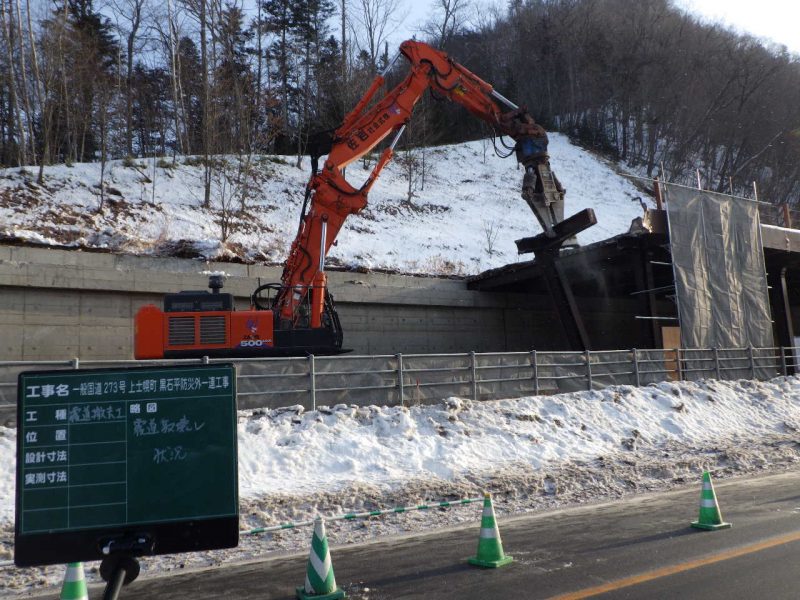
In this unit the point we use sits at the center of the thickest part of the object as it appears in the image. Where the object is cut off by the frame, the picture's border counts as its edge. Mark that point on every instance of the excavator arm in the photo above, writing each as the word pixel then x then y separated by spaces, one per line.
pixel 332 198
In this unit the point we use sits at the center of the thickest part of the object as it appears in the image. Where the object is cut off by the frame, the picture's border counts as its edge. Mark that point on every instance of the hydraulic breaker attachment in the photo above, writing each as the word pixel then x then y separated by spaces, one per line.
pixel 544 194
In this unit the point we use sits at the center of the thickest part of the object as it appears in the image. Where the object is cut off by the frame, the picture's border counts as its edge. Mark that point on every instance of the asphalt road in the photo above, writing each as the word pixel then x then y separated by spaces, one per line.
pixel 635 549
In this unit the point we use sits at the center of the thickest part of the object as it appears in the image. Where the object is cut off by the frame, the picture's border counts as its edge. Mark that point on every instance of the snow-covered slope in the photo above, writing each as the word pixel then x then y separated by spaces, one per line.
pixel 465 220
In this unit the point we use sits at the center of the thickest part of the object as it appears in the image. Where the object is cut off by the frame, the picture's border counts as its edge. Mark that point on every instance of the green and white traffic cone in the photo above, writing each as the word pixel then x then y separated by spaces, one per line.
pixel 74 587
pixel 710 516
pixel 320 582
pixel 490 546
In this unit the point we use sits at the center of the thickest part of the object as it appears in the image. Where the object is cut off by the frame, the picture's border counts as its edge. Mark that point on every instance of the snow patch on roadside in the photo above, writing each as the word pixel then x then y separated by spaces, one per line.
pixel 284 451
pixel 532 453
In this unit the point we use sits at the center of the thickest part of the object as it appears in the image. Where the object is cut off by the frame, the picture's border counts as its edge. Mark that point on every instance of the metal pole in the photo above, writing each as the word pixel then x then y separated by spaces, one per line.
pixel 587 355
pixel 678 362
pixel 637 378
pixel 397 136
pixel 312 373
pixel 535 365
pixel 206 360
pixel 752 362
pixel 390 64
pixel 323 238
pixel 716 364
pixel 504 100
pixel 76 363
pixel 114 585
pixel 783 361
pixel 473 375
pixel 400 378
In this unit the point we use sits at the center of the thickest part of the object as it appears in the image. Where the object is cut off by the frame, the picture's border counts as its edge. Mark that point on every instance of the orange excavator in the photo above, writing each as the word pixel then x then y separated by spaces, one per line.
pixel 298 316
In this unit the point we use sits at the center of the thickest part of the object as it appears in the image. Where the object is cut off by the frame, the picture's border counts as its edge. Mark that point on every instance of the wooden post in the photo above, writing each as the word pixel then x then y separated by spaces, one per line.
pixel 657 191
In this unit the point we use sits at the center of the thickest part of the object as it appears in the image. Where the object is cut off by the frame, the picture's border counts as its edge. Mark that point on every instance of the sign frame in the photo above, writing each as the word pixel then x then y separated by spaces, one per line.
pixel 174 534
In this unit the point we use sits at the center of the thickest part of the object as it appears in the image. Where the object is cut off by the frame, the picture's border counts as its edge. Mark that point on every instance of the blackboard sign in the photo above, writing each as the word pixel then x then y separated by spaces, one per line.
pixel 140 460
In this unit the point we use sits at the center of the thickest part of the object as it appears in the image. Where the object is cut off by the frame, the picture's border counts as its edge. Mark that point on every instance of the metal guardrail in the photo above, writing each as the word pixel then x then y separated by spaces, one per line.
pixel 421 378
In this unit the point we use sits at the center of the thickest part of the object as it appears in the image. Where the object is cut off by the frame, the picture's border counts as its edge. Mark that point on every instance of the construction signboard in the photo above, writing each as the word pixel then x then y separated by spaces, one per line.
pixel 140 460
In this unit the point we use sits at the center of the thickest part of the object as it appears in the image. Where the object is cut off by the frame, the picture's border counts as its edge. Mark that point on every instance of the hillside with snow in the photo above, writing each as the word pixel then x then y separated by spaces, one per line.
pixel 462 220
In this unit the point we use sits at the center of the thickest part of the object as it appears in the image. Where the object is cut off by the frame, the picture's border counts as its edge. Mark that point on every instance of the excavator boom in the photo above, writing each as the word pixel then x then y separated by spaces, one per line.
pixel 333 198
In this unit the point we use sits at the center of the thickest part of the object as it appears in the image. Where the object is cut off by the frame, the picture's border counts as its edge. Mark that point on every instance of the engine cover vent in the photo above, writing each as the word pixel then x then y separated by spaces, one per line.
pixel 212 330
pixel 181 331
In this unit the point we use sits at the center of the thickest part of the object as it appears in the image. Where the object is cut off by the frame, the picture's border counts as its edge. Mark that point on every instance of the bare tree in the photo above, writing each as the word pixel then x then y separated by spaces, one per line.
pixel 38 86
pixel 373 22
pixel 343 15
pixel 449 17
pixel 491 230
pixel 132 13
pixel 103 99
pixel 204 14
pixel 17 132
pixel 29 116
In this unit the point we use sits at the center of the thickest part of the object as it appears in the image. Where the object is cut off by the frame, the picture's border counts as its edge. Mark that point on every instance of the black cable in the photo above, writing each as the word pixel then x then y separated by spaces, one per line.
pixel 506 146
pixel 303 211
pixel 497 151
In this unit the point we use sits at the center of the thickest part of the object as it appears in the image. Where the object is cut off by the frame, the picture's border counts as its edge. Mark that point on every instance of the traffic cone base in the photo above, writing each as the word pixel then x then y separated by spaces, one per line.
pixel 336 595
pixel 710 517
pixel 710 526
pixel 490 564
pixel 490 553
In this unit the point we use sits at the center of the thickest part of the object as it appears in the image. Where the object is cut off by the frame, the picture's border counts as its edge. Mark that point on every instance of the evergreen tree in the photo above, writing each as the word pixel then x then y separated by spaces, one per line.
pixel 234 83
pixel 191 92
pixel 279 21
pixel 311 32
pixel 88 63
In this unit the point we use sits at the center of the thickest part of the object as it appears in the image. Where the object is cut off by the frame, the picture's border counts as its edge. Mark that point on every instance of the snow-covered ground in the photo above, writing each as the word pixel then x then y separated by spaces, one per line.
pixel 532 453
pixel 464 221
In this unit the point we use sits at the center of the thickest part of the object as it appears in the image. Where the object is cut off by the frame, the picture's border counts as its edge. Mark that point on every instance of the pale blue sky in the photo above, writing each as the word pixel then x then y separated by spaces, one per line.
pixel 777 20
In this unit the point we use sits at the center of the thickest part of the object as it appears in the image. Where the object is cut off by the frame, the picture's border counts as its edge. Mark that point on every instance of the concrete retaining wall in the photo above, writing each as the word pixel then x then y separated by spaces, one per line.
pixel 59 304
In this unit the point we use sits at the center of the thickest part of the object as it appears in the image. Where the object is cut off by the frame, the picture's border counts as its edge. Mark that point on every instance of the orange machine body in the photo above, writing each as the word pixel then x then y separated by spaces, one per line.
pixel 160 334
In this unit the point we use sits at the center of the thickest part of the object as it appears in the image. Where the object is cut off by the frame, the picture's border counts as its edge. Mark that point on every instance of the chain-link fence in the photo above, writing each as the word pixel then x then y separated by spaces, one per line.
pixel 423 378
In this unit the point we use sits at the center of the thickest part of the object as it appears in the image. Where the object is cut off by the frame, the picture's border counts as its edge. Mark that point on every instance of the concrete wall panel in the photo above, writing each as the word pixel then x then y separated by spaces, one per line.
pixel 60 304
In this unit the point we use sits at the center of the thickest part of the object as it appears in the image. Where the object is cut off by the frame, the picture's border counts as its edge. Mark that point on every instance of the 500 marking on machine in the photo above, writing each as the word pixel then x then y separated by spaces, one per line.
pixel 253 343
